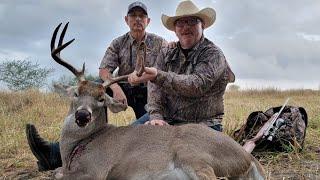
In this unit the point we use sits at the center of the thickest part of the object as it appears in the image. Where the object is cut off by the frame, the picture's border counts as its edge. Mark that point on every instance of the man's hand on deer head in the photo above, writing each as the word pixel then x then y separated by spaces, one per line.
pixel 149 74
pixel 114 105
pixel 156 122
pixel 118 94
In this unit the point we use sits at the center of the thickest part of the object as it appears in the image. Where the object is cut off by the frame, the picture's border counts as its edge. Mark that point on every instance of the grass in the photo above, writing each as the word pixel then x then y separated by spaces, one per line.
pixel 47 111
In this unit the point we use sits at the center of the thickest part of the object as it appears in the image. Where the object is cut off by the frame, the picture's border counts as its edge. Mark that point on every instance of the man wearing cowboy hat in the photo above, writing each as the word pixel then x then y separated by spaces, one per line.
pixel 121 53
pixel 188 82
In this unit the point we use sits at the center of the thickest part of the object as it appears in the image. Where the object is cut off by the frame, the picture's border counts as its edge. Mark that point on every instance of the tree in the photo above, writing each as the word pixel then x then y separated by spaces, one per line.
pixel 23 74
pixel 233 87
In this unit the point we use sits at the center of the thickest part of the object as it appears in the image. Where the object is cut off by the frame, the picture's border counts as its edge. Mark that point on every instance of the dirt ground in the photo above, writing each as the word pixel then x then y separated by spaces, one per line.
pixel 294 171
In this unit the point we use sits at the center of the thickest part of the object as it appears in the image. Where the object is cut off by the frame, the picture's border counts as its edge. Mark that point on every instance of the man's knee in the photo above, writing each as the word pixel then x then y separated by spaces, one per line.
pixel 143 119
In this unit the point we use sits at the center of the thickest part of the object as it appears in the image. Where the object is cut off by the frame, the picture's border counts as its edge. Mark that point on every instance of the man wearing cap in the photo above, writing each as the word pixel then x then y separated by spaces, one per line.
pixel 121 53
pixel 188 82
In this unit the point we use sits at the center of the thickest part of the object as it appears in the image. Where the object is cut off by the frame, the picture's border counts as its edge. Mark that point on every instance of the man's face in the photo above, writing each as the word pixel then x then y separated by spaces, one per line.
pixel 189 31
pixel 137 20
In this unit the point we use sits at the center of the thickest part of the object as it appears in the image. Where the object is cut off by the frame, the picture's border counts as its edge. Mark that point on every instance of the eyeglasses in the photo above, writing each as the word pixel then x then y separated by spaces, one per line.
pixel 134 15
pixel 189 22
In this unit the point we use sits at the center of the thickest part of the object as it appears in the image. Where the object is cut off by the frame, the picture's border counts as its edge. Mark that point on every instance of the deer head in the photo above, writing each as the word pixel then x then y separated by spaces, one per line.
pixel 88 97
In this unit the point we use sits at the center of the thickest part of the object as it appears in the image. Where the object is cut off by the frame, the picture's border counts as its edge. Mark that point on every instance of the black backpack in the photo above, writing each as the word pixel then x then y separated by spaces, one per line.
pixel 290 130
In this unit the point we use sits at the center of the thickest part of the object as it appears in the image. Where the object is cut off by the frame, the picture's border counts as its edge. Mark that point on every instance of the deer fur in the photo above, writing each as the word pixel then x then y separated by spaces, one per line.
pixel 92 149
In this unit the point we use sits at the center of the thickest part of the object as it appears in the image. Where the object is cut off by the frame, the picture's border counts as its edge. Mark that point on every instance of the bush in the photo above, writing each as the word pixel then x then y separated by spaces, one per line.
pixel 23 74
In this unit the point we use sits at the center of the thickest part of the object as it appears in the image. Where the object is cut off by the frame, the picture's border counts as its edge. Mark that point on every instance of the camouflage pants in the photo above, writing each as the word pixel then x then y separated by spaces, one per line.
pixel 214 123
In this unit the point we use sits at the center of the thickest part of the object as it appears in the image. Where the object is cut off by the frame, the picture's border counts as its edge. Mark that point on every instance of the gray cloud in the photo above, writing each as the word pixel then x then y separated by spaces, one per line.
pixel 264 40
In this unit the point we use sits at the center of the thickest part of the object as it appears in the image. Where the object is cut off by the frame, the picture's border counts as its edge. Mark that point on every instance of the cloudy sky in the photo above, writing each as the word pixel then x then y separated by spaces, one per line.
pixel 268 43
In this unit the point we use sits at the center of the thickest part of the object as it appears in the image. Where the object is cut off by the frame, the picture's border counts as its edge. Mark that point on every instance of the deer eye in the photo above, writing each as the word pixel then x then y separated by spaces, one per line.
pixel 101 99
pixel 75 94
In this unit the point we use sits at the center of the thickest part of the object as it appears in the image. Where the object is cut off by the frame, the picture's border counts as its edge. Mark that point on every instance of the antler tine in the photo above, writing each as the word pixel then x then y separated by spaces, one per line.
pixel 140 60
pixel 63 33
pixel 107 83
pixel 139 67
pixel 55 52
pixel 54 35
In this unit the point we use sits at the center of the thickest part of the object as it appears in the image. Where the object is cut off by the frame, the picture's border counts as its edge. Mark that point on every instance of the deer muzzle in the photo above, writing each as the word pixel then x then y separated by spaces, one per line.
pixel 83 117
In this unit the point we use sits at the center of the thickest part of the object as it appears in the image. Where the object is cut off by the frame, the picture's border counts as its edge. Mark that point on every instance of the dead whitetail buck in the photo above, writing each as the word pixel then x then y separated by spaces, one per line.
pixel 93 149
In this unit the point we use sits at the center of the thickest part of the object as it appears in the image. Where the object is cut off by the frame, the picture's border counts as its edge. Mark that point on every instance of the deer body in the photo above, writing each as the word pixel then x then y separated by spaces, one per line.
pixel 92 149
pixel 151 152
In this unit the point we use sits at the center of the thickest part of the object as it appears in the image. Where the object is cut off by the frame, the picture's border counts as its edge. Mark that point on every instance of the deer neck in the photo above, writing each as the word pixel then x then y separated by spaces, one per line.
pixel 81 146
pixel 72 134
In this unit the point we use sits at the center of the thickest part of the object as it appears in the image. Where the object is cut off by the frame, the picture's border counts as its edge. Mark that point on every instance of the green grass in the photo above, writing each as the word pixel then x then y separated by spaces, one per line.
pixel 47 111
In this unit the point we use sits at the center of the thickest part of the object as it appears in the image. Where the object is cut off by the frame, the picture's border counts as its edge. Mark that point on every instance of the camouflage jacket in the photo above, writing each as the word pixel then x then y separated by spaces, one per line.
pixel 189 89
pixel 122 52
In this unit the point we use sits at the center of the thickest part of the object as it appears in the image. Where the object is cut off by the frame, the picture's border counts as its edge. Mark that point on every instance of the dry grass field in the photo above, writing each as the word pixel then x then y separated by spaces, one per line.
pixel 47 111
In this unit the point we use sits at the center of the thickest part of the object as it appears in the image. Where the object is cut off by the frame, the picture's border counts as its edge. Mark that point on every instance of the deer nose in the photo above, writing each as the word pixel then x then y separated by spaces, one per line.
pixel 83 117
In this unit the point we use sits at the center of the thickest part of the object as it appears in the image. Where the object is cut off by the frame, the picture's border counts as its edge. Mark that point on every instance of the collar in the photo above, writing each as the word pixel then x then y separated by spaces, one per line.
pixel 196 47
pixel 193 49
pixel 132 40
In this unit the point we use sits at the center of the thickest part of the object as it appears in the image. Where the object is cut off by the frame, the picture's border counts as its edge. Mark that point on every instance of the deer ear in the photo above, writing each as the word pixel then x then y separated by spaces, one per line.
pixel 114 105
pixel 64 90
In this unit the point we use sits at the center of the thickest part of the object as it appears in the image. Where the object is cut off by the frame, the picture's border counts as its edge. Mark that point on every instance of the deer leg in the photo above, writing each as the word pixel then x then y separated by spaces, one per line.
pixel 202 171
pixel 256 171
pixel 197 168
pixel 62 174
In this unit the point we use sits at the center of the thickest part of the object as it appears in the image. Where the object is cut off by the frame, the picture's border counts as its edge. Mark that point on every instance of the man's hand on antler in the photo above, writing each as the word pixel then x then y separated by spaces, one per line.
pixel 149 74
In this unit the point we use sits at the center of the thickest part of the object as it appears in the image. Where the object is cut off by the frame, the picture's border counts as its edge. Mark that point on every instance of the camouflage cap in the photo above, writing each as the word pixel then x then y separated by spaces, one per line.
pixel 137 4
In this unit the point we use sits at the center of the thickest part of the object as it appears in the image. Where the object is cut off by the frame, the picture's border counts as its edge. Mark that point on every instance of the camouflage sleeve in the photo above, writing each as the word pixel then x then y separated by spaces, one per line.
pixel 209 68
pixel 155 94
pixel 110 60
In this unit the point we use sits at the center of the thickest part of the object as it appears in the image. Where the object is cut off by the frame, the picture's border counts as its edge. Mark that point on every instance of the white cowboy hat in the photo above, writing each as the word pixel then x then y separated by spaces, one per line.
pixel 187 8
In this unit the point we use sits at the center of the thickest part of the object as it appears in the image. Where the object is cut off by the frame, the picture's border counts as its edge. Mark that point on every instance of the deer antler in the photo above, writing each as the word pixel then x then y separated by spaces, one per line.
pixel 107 83
pixel 55 52
pixel 141 60
pixel 139 66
